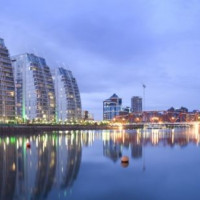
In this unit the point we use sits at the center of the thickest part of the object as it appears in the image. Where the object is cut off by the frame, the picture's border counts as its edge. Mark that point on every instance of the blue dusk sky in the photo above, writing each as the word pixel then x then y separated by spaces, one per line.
pixel 113 46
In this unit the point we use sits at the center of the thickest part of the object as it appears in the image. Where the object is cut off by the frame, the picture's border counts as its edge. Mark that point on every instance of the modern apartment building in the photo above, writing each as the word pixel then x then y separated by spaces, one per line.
pixel 111 107
pixel 136 104
pixel 68 101
pixel 7 90
pixel 35 93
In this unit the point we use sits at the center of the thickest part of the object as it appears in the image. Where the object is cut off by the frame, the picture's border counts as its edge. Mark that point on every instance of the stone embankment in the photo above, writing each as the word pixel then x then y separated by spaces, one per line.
pixel 31 129
pixel 37 128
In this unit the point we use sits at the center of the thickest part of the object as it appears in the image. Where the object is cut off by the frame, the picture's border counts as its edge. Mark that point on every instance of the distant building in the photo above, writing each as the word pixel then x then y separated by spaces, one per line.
pixel 172 109
pixel 86 115
pixel 35 94
pixel 7 90
pixel 181 109
pixel 125 111
pixel 111 107
pixel 136 104
pixel 68 100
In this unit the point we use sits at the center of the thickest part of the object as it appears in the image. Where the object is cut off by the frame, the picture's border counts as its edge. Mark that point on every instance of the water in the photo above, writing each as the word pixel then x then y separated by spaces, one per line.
pixel 85 165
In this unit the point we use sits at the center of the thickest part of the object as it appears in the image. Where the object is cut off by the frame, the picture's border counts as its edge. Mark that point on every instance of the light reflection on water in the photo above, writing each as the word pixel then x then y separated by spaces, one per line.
pixel 86 164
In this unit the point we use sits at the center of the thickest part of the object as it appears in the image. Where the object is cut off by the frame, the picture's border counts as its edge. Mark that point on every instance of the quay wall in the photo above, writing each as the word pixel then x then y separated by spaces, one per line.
pixel 31 129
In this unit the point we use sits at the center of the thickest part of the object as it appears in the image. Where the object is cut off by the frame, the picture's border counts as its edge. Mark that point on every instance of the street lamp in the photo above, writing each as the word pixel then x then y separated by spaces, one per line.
pixel 144 87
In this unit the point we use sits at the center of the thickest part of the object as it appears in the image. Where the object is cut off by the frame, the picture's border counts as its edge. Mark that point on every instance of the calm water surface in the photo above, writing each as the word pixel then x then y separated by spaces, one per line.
pixel 85 165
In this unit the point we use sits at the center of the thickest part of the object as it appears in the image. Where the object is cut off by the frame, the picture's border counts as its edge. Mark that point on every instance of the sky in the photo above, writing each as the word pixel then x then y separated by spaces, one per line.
pixel 113 46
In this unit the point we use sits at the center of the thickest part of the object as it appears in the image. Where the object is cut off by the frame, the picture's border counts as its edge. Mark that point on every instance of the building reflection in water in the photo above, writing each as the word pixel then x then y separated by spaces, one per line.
pixel 50 167
pixel 46 168
pixel 51 164
pixel 115 141
pixel 112 150
pixel 7 170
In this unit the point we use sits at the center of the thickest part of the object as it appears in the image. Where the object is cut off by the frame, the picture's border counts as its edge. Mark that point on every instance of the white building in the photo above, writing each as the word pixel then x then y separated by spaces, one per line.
pixel 68 101
pixel 7 90
pixel 35 94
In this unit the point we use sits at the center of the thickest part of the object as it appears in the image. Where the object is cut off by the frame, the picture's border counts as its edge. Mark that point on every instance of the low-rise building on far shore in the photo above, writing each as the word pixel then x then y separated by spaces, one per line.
pixel 87 116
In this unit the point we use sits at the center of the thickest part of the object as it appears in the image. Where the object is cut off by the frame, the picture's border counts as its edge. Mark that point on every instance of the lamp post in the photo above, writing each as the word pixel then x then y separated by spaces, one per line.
pixel 144 87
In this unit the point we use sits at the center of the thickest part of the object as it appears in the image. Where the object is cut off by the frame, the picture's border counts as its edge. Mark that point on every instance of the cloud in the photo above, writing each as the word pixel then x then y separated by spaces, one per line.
pixel 113 46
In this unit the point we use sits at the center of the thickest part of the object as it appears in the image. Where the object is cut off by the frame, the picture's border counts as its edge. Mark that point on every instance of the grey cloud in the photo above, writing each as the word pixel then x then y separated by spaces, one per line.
pixel 113 46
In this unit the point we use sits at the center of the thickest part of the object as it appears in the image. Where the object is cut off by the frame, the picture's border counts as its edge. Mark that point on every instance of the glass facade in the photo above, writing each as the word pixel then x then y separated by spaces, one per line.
pixel 35 94
pixel 7 90
pixel 68 101
pixel 111 107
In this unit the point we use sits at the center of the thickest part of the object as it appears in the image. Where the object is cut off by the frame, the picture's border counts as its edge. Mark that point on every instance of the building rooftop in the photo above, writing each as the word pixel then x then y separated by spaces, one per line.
pixel 114 96
pixel 2 42
pixel 138 97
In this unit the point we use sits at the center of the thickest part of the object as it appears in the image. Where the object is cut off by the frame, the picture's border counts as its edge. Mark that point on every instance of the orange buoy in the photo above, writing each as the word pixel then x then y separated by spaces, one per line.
pixel 28 145
pixel 125 159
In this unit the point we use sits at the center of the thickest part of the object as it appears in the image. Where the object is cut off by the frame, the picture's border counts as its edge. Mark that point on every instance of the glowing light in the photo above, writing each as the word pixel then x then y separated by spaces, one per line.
pixel 13 167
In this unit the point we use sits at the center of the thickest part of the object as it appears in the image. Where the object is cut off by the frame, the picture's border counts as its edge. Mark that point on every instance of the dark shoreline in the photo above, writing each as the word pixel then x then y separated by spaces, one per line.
pixel 35 129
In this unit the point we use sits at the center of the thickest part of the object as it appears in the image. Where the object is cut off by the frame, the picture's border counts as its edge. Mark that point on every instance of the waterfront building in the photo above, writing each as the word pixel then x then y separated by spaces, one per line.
pixel 136 104
pixel 178 110
pixel 124 111
pixel 68 101
pixel 34 88
pixel 7 90
pixel 111 107
pixel 87 116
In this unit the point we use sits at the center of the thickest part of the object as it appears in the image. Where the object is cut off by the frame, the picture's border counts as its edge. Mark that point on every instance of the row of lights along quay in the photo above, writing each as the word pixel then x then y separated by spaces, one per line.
pixel 116 114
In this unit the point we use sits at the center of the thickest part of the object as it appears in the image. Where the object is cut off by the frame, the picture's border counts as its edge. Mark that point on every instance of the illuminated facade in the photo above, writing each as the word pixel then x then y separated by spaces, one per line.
pixel 35 94
pixel 7 90
pixel 68 101
pixel 136 104
pixel 111 107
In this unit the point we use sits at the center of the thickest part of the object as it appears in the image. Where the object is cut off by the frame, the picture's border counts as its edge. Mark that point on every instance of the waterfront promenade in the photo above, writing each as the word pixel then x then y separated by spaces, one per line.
pixel 35 128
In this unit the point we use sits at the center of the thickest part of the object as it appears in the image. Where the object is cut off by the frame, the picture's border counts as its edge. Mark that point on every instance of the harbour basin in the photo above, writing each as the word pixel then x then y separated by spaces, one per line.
pixel 86 165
